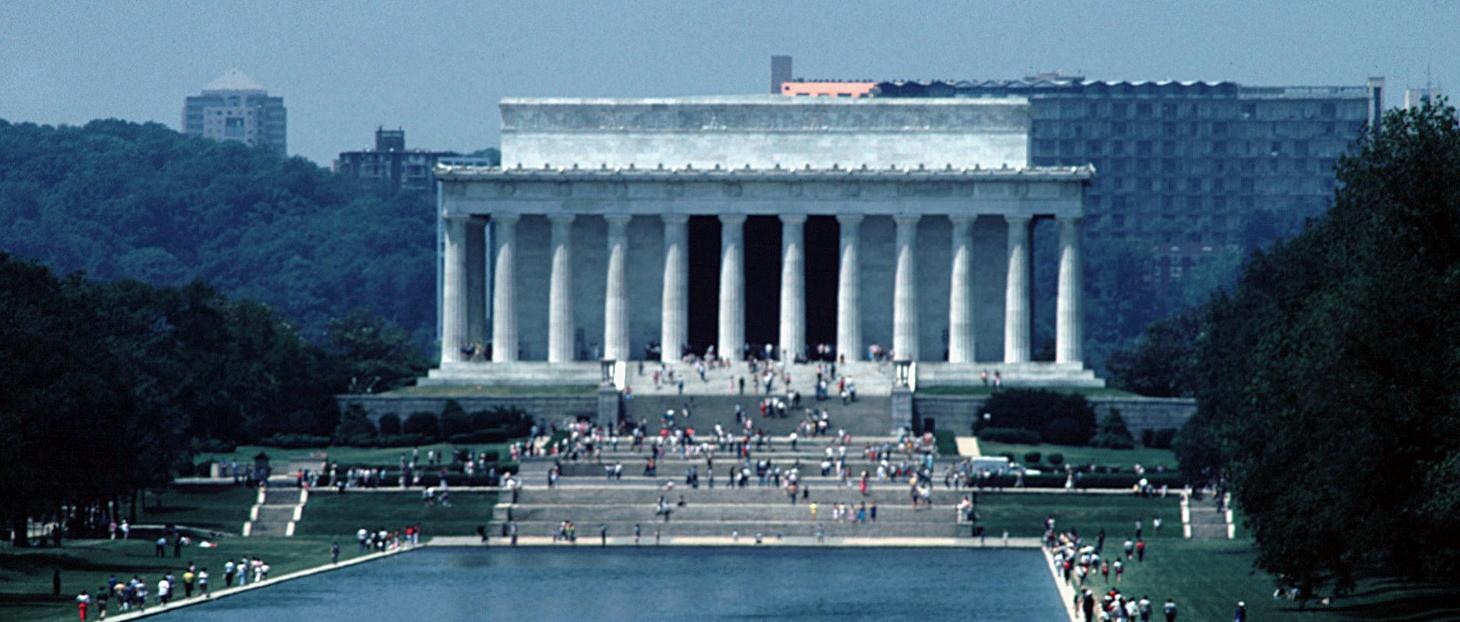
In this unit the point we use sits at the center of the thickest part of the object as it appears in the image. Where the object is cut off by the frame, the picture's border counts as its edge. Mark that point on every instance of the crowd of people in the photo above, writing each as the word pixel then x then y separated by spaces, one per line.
pixel 1081 563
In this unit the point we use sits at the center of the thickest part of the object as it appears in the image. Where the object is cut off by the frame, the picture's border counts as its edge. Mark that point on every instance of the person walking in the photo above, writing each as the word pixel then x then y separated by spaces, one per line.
pixel 335 550
pixel 203 582
pixel 1240 615
pixel 82 601
pixel 1169 609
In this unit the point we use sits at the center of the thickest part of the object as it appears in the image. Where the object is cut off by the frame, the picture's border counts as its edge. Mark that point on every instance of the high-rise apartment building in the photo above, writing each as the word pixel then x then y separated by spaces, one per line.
pixel 390 165
pixel 1184 167
pixel 235 107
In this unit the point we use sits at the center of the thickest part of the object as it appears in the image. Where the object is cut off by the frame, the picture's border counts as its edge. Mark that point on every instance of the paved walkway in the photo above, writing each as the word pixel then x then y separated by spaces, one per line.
pixel 153 609
pixel 968 446
pixel 587 539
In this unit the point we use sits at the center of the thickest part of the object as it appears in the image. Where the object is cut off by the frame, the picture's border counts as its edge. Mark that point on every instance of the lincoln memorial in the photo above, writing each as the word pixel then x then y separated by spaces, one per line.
pixel 803 229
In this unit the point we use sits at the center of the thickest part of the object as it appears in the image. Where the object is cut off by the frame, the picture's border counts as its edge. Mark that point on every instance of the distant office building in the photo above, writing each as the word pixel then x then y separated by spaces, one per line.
pixel 780 72
pixel 1182 166
pixel 1415 98
pixel 234 107
pixel 390 165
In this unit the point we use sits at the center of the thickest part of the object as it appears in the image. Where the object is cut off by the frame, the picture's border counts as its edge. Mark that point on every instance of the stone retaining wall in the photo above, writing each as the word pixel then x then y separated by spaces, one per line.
pixel 957 412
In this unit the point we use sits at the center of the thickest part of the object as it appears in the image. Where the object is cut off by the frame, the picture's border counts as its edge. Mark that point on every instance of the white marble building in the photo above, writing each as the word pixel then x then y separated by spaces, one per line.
pixel 576 248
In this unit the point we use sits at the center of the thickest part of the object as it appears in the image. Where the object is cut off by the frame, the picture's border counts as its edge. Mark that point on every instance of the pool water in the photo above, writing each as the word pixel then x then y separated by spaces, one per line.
pixel 681 583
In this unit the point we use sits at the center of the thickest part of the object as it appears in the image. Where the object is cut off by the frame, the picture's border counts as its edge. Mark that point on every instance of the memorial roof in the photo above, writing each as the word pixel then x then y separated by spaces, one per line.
pixel 467 172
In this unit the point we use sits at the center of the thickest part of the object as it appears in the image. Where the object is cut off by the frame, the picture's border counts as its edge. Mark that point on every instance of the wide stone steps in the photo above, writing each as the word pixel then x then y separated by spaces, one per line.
pixel 869 415
pixel 885 496
pixel 588 528
pixel 709 512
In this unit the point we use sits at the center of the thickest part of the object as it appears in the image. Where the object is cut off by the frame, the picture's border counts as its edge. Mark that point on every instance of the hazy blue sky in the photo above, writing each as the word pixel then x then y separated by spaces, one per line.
pixel 437 69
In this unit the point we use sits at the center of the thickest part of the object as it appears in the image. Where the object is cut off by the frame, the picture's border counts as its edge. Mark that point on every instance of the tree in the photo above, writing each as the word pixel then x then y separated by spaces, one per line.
pixel 1162 363
pixel 378 357
pixel 1112 432
pixel 1328 382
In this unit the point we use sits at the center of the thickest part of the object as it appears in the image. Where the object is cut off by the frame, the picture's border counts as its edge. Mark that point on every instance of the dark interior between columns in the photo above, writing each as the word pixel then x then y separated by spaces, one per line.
pixel 762 280
pixel 704 281
pixel 822 244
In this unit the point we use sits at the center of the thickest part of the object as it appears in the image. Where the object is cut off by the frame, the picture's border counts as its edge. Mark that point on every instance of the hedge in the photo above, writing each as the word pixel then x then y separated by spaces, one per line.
pixel 1010 435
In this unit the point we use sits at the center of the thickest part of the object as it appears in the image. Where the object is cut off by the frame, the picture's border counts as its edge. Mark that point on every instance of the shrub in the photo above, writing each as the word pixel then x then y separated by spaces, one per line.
pixel 1065 419
pixel 1161 439
pixel 355 428
pixel 1112 433
pixel 514 421
pixel 425 424
pixel 1056 459
pixel 295 441
pixel 389 425
pixel 1010 435
pixel 493 435
pixel 404 440
pixel 215 446
pixel 454 420
pixel 1031 457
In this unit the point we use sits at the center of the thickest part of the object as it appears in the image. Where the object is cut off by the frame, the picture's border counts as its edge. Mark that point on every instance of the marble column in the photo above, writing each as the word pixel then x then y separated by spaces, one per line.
pixel 849 288
pixel 454 288
pixel 560 290
pixel 793 287
pixel 674 318
pixel 960 292
pixel 1069 322
pixel 1016 292
pixel 504 289
pixel 905 291
pixel 476 280
pixel 616 298
pixel 732 288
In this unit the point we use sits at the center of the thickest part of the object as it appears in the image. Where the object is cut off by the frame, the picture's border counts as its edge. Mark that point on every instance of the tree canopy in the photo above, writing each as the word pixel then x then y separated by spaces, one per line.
pixel 125 200
pixel 1328 380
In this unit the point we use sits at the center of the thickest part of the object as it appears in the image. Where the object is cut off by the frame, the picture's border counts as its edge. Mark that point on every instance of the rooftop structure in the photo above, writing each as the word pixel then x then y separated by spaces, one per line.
pixel 235 107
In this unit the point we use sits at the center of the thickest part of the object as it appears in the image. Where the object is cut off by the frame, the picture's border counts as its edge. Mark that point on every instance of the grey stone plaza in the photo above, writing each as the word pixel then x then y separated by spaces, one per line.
pixel 575 251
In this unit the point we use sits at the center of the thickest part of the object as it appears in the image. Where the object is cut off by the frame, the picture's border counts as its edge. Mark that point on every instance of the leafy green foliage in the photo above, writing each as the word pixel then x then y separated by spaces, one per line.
pixel 1162 363
pixel 125 200
pixel 1112 433
pixel 1329 379
pixel 1064 419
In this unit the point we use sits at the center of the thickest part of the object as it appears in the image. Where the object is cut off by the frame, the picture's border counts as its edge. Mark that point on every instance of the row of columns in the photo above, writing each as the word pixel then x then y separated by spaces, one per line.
pixel 459 239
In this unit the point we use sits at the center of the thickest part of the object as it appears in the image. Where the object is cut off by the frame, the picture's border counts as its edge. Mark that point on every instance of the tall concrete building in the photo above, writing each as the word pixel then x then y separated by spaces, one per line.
pixel 235 107
pixel 1182 166
pixel 780 73
pixel 390 165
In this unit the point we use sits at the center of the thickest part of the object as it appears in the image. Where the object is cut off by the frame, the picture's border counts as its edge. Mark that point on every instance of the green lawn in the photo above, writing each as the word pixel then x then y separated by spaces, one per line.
pixel 216 508
pixel 375 456
pixel 1208 577
pixel 331 513
pixel 1024 514
pixel 25 574
pixel 1148 458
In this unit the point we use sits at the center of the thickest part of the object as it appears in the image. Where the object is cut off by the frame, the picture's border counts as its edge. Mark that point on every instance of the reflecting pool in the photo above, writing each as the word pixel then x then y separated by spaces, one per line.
pixel 668 583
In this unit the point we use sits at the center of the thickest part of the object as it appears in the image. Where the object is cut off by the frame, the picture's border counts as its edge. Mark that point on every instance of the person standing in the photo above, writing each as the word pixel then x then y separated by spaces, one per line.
pixel 228 570
pixel 1170 610
pixel 335 549
pixel 1240 615
pixel 82 600
pixel 603 534
pixel 188 578
pixel 203 582
pixel 161 549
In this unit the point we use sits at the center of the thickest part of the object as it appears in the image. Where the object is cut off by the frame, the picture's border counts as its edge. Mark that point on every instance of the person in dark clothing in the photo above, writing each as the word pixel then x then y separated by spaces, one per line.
pixel 177 547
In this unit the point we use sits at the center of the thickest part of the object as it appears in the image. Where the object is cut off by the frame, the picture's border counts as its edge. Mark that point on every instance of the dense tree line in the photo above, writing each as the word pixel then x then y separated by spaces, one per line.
pixel 125 200
pixel 109 386
pixel 1328 379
